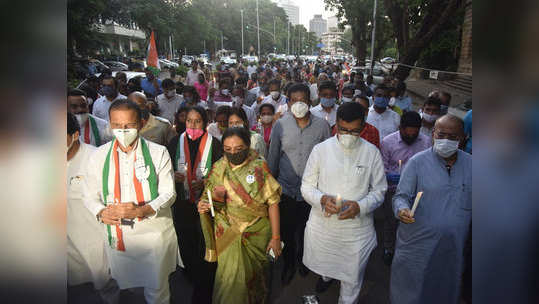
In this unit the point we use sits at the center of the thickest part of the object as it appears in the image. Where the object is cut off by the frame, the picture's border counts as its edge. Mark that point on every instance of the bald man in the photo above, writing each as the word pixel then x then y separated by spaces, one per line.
pixel 429 254
pixel 155 129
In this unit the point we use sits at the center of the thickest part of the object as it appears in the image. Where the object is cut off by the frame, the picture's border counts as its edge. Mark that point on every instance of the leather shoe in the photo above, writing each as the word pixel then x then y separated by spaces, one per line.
pixel 322 286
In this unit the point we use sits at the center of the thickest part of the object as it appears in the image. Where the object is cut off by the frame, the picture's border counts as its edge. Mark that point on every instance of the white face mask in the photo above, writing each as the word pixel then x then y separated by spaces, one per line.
pixel 346 99
pixel 275 94
pixel 348 141
pixel 428 117
pixel 266 119
pixel 392 101
pixel 170 94
pixel 237 101
pixel 236 126
pixel 82 118
pixel 224 91
pixel 357 92
pixel 299 109
pixel 125 136
pixel 445 147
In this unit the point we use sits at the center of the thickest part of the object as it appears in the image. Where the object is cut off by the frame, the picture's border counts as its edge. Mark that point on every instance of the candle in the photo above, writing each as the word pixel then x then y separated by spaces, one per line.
pixel 416 202
pixel 211 203
pixel 400 166
pixel 338 201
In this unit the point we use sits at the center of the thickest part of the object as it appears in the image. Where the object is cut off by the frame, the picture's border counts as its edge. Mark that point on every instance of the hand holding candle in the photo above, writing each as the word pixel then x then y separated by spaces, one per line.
pixel 211 203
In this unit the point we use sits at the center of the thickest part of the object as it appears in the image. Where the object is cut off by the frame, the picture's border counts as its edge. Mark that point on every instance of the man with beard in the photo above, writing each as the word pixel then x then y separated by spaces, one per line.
pixel 397 148
pixel 93 130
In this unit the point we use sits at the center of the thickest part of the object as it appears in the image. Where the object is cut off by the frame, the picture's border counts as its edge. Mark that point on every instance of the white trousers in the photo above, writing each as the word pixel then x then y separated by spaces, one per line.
pixel 349 293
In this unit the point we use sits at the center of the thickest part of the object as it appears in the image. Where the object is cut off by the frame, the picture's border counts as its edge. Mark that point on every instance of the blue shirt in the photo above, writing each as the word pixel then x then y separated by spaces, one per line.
pixel 404 103
pixel 147 87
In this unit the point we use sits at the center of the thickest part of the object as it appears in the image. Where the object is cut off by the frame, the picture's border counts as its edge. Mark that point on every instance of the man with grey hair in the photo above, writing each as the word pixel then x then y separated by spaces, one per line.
pixel 429 255
pixel 154 128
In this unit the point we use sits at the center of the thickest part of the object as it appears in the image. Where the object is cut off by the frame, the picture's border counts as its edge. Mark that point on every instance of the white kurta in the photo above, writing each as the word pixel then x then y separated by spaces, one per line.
pixel 386 123
pixel 105 134
pixel 151 246
pixel 86 259
pixel 336 248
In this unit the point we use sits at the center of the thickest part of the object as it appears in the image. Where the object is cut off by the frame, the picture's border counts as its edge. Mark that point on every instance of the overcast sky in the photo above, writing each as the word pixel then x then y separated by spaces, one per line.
pixel 308 8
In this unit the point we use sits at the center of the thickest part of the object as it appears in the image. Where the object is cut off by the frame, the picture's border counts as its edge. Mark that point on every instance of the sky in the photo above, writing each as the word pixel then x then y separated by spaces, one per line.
pixel 308 8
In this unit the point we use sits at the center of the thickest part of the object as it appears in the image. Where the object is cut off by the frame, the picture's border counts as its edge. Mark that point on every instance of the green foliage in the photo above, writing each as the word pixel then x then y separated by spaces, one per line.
pixel 182 70
pixel 390 52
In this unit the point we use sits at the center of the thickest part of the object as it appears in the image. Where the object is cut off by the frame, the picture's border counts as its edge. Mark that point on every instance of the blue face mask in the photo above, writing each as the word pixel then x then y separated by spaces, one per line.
pixel 327 102
pixel 381 102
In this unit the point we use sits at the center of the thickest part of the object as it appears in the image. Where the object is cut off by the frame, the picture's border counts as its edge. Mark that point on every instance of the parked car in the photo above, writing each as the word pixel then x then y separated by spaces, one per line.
pixel 227 60
pixel 187 60
pixel 117 66
pixel 167 64
pixel 128 74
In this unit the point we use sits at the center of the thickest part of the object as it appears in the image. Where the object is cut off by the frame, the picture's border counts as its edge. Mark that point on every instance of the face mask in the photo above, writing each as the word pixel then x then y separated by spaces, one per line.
pixel 237 101
pixel 82 118
pixel 194 134
pixel 299 109
pixel 224 91
pixel 275 94
pixel 408 139
pixel 429 118
pixel 125 136
pixel 443 109
pixel 188 99
pixel 237 158
pixel 381 102
pixel 346 99
pixel 73 138
pixel 357 92
pixel 170 94
pixel 266 119
pixel 108 91
pixel 327 102
pixel 392 101
pixel 348 141
pixel 236 126
pixel 445 147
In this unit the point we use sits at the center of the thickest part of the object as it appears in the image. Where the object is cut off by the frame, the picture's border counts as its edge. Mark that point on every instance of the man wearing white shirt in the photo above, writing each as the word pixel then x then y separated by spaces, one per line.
pixel 129 189
pixel 192 75
pixel 275 98
pixel 251 69
pixel 169 102
pixel 327 109
pixel 109 89
pixel 344 182
pixel 93 130
pixel 86 259
pixel 384 119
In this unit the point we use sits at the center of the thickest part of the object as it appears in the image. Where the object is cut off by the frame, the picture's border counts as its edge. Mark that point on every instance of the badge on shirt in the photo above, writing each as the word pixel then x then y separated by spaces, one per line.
pixel 250 179
pixel 142 173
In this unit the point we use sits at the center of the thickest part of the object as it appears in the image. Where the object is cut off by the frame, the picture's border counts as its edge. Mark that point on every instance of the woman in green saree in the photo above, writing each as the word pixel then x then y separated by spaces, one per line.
pixel 246 224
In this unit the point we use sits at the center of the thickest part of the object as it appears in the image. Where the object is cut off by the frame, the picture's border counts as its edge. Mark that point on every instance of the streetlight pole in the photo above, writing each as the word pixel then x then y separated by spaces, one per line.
pixel 258 28
pixel 222 46
pixel 274 30
pixel 241 11
pixel 288 38
pixel 373 33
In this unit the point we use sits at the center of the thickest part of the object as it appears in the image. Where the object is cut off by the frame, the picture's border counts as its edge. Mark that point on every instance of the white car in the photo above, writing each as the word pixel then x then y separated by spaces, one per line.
pixel 116 66
pixel 187 60
pixel 228 60
pixel 250 59
pixel 168 64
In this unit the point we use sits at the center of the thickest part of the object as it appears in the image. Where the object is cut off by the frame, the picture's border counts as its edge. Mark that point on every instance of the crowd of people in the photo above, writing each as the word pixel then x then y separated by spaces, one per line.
pixel 222 172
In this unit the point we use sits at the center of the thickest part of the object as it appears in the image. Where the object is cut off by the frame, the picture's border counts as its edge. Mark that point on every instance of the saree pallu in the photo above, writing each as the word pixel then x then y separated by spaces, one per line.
pixel 240 232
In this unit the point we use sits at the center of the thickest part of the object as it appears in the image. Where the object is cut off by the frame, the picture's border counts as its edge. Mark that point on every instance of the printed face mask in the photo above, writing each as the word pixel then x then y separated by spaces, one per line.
pixel 125 136
pixel 194 134
pixel 238 157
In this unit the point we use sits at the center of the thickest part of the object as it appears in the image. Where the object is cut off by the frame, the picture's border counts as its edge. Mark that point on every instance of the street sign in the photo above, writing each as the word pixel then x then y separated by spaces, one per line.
pixel 433 75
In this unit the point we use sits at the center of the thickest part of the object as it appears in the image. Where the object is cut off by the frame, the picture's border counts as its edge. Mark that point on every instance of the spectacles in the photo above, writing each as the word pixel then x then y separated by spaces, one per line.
pixel 355 132
pixel 442 135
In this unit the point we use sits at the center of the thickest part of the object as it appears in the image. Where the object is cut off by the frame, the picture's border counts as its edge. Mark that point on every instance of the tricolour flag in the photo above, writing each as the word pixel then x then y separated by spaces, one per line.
pixel 152 62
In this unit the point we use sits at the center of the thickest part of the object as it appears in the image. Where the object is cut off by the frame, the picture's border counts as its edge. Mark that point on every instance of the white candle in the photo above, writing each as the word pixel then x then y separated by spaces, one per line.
pixel 211 203
pixel 416 202
pixel 338 201
pixel 400 166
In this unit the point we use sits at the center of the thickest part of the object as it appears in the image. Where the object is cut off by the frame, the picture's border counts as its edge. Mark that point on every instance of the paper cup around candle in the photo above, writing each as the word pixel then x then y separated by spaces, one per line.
pixel 416 202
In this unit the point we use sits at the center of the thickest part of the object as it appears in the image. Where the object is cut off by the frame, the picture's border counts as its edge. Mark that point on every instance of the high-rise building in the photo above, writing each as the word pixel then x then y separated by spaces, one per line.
pixel 333 22
pixel 318 25
pixel 291 10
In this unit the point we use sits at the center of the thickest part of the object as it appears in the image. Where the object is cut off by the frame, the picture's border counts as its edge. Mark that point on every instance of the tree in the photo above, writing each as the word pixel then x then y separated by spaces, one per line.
pixel 415 24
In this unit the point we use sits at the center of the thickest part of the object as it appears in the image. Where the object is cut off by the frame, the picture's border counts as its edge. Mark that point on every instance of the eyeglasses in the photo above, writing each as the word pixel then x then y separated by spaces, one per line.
pixel 442 135
pixel 355 132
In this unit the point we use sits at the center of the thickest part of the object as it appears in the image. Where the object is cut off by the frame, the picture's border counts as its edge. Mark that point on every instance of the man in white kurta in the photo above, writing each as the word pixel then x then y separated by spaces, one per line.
pixel 86 259
pixel 149 243
pixel 93 130
pixel 338 241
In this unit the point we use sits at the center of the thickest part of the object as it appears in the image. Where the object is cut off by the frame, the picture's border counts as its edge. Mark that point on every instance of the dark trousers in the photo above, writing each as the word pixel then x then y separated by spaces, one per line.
pixel 390 222
pixel 192 250
pixel 294 215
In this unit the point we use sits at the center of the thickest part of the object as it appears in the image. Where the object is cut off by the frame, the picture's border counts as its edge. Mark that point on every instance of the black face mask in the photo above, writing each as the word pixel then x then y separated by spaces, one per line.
pixel 408 139
pixel 237 158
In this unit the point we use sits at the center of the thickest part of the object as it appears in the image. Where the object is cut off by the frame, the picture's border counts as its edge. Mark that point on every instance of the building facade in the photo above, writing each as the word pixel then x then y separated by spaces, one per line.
pixel 291 10
pixel 318 25
pixel 121 39
pixel 331 42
